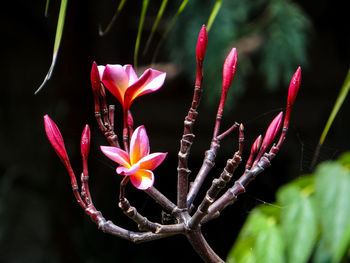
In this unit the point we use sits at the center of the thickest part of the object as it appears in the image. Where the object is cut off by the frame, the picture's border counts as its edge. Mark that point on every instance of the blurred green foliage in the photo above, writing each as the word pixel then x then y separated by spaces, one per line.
pixel 270 35
pixel 310 221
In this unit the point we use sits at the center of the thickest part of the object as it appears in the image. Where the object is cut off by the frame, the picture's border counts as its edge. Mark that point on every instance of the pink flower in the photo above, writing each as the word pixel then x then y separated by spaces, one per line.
pixel 138 163
pixel 124 84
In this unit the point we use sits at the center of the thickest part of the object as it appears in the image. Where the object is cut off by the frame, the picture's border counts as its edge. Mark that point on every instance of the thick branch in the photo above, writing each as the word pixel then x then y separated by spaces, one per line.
pixel 185 147
pixel 144 224
pixel 208 163
pixel 217 185
pixel 110 228
pixel 230 196
pixel 161 199
pixel 203 249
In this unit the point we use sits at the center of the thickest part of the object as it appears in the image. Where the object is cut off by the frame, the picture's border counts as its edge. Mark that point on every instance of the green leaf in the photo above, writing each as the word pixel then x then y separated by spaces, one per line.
pixel 341 97
pixel 344 160
pixel 332 192
pixel 58 37
pixel 214 13
pixel 269 244
pixel 155 24
pixel 338 103
pixel 260 240
pixel 47 8
pixel 114 18
pixel 343 246
pixel 168 28
pixel 139 31
pixel 298 219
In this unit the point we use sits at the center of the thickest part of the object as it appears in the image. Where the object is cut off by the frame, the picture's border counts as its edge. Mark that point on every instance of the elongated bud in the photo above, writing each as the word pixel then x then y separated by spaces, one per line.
pixel 200 54
pixel 253 151
pixel 292 94
pixel 241 138
pixel 294 87
pixel 272 131
pixel 229 69
pixel 270 135
pixel 55 138
pixel 201 45
pixel 95 78
pixel 130 120
pixel 256 145
pixel 85 141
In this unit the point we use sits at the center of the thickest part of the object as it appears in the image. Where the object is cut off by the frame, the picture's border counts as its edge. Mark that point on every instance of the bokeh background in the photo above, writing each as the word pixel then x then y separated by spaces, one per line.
pixel 39 218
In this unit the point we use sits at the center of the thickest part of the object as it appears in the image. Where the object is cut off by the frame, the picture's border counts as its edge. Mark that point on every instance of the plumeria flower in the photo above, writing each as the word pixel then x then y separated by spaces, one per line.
pixel 138 163
pixel 124 84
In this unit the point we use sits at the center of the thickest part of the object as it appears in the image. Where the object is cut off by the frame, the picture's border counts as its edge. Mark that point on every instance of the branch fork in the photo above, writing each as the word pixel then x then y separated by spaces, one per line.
pixel 188 217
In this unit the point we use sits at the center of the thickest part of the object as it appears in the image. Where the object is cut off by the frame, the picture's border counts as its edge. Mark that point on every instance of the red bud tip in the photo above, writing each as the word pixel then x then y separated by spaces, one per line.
pixel 201 45
pixel 229 69
pixel 256 145
pixel 95 78
pixel 272 130
pixel 85 141
pixel 294 86
pixel 55 138
pixel 255 148
pixel 130 119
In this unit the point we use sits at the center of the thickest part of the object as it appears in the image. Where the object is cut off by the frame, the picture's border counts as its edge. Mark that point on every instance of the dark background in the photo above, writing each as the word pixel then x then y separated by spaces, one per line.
pixel 39 218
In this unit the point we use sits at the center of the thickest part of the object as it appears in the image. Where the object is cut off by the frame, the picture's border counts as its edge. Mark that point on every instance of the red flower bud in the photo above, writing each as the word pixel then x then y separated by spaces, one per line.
pixel 270 135
pixel 130 120
pixel 255 148
pixel 229 69
pixel 55 138
pixel 272 131
pixel 294 87
pixel 95 78
pixel 201 45
pixel 85 141
pixel 256 145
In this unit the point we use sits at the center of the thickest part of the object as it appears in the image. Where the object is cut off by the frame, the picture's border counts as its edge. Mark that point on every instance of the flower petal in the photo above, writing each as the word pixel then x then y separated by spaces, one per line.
pixel 152 161
pixel 139 145
pixel 101 69
pixel 143 179
pixel 150 81
pixel 153 83
pixel 116 81
pixel 117 155
pixel 134 88
pixel 131 74
pixel 128 171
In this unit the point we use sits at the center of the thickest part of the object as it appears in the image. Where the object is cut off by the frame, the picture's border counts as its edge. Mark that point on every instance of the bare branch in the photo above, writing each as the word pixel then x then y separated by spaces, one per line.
pixel 208 163
pixel 230 196
pixel 162 200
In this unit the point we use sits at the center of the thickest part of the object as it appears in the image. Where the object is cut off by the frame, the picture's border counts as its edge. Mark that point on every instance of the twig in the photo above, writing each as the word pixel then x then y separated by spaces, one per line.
pixel 162 200
pixel 105 120
pixel 208 163
pixel 186 143
pixel 230 196
pixel 218 184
